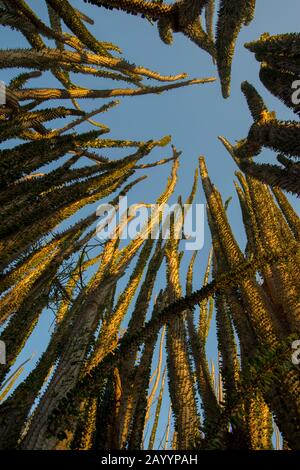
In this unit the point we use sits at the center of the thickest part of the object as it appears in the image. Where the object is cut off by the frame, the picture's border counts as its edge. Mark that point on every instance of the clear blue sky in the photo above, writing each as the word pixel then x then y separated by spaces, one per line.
pixel 194 116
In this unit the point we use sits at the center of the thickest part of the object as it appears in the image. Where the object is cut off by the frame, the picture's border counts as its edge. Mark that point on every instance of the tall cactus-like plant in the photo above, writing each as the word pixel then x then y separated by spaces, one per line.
pixel 256 301
pixel 232 16
pixel 184 16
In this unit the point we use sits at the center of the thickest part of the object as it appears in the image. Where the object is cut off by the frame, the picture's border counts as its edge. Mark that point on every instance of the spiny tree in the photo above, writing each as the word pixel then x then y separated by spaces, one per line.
pixel 269 132
pixel 59 193
pixel 278 56
pixel 99 406
pixel 90 385
pixel 254 385
pixel 37 261
pixel 231 18
pixel 184 16
pixel 181 385
pixel 279 63
pixel 267 319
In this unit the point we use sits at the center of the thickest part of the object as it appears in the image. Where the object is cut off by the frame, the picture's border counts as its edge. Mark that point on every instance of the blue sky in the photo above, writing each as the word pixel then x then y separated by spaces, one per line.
pixel 194 116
